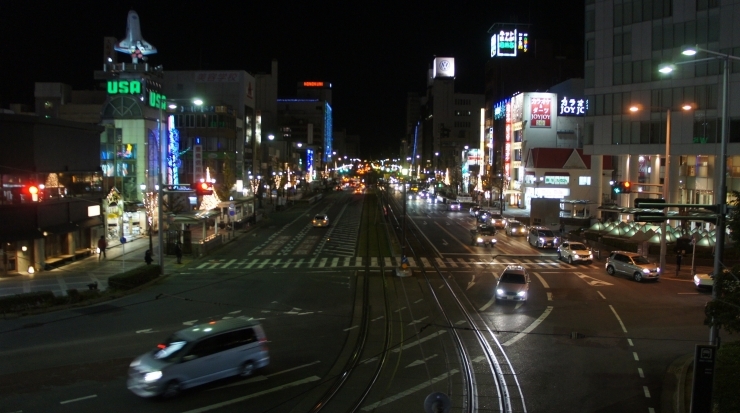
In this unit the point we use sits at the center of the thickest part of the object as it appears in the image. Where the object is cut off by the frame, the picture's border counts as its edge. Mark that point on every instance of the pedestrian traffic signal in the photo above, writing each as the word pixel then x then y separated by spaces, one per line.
pixel 202 188
pixel 621 187
pixel 626 187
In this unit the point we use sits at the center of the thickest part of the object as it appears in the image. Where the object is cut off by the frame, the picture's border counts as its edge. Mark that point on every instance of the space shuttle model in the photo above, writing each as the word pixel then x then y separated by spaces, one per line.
pixel 134 44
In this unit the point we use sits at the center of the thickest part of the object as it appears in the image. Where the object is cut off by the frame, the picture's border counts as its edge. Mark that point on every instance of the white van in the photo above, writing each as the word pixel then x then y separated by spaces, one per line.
pixel 198 355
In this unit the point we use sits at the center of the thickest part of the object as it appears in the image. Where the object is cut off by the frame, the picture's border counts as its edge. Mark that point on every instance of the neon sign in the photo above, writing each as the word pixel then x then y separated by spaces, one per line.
pixel 132 87
pixel 573 107
pixel 508 43
pixel 313 84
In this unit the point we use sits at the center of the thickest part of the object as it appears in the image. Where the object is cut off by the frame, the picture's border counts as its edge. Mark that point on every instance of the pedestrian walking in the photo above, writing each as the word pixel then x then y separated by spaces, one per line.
pixel 102 245
pixel 678 261
pixel 148 257
pixel 178 252
pixel 562 228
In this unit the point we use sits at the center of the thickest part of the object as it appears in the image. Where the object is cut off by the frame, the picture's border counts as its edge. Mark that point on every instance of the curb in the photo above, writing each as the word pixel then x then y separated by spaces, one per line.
pixel 673 396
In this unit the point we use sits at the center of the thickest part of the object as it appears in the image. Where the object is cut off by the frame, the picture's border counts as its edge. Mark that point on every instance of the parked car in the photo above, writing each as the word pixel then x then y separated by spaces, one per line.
pixel 483 235
pixel 198 355
pixel 320 220
pixel 515 228
pixel 574 252
pixel 454 206
pixel 631 264
pixel 542 237
pixel 513 284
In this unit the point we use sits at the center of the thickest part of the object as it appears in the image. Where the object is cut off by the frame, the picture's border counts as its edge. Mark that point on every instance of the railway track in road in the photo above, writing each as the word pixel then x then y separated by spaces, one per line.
pixel 475 343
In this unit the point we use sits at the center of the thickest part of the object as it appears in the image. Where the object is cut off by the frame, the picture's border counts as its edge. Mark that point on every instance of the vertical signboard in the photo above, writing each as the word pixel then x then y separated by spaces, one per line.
pixel 197 162
pixel 701 390
pixel 540 111
pixel 507 141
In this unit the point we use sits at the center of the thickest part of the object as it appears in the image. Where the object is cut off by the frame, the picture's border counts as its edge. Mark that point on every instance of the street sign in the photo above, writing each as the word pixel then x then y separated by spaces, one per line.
pixel 123 240
pixel 701 391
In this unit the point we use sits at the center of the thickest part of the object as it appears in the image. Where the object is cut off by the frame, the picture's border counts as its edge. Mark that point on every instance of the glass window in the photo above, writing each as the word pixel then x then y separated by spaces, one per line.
pixel 657 38
pixel 212 144
pixel 618 10
pixel 616 133
pixel 702 30
pixel 637 71
pixel 627 73
pixel 609 104
pixel 590 49
pixel 171 348
pixel 668 36
pixel 637 11
pixel 627 13
pixel 679 34
pixel 647 10
pixel 590 76
pixel 617 46
pixel 617 75
pixel 627 43
pixel 584 180
pixel 599 105
pixel 590 24
pixel 626 132
pixel 618 108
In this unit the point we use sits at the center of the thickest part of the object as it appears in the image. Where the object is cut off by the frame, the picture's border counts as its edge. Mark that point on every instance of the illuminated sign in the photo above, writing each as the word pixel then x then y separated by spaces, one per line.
pixel 508 42
pixel 313 84
pixel 157 100
pixel 573 107
pixel 557 180
pixel 499 110
pixel 443 67
pixel 124 87
pixel 540 112
pixel 475 157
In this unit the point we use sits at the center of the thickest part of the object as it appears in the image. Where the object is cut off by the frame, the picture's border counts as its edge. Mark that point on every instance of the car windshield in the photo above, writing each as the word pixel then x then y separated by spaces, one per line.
pixel 170 348
pixel 496 216
pixel 639 259
pixel 515 224
pixel 512 278
pixel 487 230
pixel 545 233
pixel 577 246
pixel 319 217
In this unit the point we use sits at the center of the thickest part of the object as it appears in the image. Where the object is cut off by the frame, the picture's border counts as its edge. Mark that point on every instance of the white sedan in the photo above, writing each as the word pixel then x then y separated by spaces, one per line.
pixel 703 281
pixel 575 251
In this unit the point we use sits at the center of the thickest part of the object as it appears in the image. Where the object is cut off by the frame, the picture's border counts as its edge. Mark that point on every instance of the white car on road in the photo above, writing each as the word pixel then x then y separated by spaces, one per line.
pixel 575 251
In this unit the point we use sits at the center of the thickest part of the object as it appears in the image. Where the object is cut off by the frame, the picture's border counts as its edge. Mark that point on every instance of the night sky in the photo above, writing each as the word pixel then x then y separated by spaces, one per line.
pixel 373 55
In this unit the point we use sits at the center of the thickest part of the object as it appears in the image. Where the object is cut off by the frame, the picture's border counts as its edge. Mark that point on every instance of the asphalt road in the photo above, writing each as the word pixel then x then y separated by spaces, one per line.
pixel 584 341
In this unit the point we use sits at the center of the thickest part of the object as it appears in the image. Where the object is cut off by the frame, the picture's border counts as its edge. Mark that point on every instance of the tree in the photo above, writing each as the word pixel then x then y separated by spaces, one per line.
pixel 733 219
pixel 724 311
pixel 223 189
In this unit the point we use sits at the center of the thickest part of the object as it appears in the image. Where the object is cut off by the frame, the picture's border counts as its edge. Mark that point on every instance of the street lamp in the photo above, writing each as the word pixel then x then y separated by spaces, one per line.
pixel 720 196
pixel 666 175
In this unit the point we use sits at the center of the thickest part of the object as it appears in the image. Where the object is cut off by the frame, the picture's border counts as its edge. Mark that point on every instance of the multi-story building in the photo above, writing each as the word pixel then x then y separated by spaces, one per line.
pixel 625 44
pixel 50 188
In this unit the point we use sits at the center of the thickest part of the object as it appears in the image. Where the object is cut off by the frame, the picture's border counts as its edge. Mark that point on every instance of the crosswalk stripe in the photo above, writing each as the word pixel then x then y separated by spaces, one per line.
pixel 334 262
pixel 440 263
pixel 452 263
pixel 425 262
pixel 463 263
pixel 387 262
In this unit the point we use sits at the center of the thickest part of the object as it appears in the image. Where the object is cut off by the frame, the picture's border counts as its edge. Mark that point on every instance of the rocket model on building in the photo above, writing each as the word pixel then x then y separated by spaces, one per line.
pixel 133 43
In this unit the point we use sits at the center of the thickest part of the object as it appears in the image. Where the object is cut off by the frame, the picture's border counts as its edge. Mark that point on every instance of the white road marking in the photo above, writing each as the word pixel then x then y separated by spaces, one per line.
pixel 618 319
pixel 542 280
pixel 418 301
pixel 647 392
pixel 629 340
pixel 418 321
pixel 519 305
pixel 531 327
pixel 417 342
pixel 409 391
pixel 265 377
pixel 444 242
pixel 253 395
pixel 602 295
pixel 549 296
pixel 79 399
pixel 651 410
pixel 419 362
pixel 350 328
pixel 403 308
pixel 236 312
pixel 488 304
pixel 228 263
pixel 378 318
pixel 460 322
pixel 634 354
pixel 189 323
pixel 147 331
pixel 591 280
pixel 639 371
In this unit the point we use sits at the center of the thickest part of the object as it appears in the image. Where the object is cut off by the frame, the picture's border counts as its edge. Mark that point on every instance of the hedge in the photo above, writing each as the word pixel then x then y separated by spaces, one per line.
pixel 133 278
pixel 726 379
pixel 20 302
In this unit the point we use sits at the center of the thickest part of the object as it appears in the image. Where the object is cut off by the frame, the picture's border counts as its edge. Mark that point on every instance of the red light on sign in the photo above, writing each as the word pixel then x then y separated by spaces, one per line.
pixel 33 190
pixel 313 84
pixel 203 186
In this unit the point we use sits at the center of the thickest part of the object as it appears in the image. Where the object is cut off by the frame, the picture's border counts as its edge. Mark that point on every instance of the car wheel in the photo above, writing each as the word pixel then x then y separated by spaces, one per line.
pixel 638 277
pixel 570 260
pixel 246 369
pixel 171 390
pixel 610 270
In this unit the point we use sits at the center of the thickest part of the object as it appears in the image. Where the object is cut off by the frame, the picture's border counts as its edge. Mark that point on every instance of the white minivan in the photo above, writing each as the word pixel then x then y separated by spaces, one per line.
pixel 198 355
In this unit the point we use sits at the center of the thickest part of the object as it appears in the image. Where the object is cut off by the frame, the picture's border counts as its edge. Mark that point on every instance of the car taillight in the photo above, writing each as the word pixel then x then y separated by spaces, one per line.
pixel 263 343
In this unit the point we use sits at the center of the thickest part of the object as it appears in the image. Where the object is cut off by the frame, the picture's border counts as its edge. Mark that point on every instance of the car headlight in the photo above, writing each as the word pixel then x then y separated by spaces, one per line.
pixel 500 291
pixel 657 270
pixel 521 293
pixel 153 376
pixel 479 240
pixel 646 271
pixel 542 240
pixel 576 256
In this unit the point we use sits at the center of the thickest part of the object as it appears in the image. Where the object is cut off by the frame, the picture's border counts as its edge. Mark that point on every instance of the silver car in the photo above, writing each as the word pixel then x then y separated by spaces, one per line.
pixel 320 220
pixel 198 355
pixel 513 284
pixel 542 237
pixel 515 228
pixel 575 251
pixel 633 265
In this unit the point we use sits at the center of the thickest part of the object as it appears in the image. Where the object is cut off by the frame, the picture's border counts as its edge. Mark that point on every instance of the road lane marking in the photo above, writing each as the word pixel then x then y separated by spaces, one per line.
pixel 229 263
pixel 79 399
pixel 418 321
pixel 549 296
pixel 350 328
pixel 488 304
pixel 531 327
pixel 634 354
pixel 542 280
pixel 418 342
pixel 629 340
pixel 639 371
pixel 419 362
pixel 618 319
pixel 602 295
pixel 647 392
pixel 591 280
pixel 253 395
pixel 265 377
pixel 410 391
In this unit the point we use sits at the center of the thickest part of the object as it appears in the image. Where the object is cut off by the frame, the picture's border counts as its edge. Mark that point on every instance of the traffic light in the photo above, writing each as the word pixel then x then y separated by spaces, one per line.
pixel 202 188
pixel 626 187
pixel 616 188
pixel 33 190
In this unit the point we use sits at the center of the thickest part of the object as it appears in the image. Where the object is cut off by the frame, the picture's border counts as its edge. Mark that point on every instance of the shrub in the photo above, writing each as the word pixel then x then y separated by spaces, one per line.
pixel 20 302
pixel 727 376
pixel 133 278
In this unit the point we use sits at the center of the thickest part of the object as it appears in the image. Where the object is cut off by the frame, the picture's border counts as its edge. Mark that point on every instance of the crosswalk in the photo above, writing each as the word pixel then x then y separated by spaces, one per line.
pixel 375 262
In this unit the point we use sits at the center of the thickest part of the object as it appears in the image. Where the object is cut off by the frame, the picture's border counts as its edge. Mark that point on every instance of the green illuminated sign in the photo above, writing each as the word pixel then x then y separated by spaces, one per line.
pixel 132 87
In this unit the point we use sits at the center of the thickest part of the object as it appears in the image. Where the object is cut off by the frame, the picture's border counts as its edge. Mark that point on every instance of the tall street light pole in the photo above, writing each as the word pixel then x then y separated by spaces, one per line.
pixel 720 192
